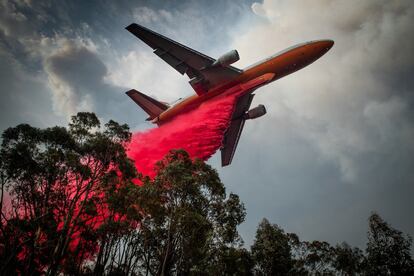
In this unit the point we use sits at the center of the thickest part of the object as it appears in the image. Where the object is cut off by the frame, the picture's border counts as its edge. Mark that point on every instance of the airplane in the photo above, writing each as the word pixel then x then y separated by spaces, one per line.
pixel 212 78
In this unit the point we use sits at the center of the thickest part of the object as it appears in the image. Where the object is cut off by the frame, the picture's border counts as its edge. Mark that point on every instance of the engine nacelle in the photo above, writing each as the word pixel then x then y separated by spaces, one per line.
pixel 227 59
pixel 256 112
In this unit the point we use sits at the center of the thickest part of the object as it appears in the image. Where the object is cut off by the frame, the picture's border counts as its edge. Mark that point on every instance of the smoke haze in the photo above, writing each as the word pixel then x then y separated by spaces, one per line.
pixel 336 143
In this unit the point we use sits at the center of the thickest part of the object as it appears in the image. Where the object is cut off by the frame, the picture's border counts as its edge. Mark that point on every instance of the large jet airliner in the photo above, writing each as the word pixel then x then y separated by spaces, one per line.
pixel 212 78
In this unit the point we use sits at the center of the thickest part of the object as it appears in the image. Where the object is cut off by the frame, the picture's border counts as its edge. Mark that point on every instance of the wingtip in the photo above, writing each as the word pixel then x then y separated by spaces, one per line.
pixel 131 26
pixel 224 162
pixel 130 91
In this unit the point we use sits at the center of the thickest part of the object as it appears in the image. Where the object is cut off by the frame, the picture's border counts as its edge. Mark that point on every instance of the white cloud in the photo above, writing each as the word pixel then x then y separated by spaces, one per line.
pixel 146 15
pixel 340 90
pixel 145 72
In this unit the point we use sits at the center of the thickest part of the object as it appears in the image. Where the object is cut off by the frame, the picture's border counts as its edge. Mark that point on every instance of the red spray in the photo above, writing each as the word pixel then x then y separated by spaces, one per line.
pixel 200 132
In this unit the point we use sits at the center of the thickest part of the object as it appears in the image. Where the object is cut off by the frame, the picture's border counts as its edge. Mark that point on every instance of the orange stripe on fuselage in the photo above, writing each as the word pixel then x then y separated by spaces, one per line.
pixel 280 65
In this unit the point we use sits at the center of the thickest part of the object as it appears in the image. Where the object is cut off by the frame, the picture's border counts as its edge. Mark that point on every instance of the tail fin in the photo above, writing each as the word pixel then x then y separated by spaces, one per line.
pixel 150 105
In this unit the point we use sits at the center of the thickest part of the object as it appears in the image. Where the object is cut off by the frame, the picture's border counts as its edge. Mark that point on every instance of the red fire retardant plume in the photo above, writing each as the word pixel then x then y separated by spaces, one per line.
pixel 199 132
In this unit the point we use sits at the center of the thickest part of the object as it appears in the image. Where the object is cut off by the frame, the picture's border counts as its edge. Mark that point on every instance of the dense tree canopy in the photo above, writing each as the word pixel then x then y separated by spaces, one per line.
pixel 72 203
pixel 279 253
pixel 388 250
pixel 69 204
pixel 189 217
pixel 271 250
pixel 58 179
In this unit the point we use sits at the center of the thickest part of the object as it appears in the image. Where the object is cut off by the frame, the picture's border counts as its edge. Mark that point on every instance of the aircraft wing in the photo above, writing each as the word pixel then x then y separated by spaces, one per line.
pixel 186 60
pixel 232 135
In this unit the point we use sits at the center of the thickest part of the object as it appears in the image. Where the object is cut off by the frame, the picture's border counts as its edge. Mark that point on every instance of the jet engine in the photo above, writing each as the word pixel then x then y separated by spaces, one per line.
pixel 227 59
pixel 256 112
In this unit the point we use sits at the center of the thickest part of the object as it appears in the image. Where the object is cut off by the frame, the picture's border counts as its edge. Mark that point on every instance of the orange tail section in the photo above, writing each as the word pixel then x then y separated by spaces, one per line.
pixel 153 107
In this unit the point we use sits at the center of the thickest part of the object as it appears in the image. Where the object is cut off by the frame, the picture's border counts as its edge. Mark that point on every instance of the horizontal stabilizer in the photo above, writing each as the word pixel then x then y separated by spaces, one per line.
pixel 153 107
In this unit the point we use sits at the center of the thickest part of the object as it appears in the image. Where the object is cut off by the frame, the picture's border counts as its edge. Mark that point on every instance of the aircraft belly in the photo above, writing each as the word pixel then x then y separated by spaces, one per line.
pixel 246 87
pixel 238 89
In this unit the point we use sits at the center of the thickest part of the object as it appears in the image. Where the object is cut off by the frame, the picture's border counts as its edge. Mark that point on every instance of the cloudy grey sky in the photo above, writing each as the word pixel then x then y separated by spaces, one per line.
pixel 337 142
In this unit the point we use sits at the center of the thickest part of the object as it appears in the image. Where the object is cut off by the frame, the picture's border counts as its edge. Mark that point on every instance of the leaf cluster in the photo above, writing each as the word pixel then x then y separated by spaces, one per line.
pixel 56 179
pixel 278 253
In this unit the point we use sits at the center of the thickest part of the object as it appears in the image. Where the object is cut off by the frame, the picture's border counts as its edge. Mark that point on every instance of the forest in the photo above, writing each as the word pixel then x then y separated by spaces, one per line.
pixel 72 203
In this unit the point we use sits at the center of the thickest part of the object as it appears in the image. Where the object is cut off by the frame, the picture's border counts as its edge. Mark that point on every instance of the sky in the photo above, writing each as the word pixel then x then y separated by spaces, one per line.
pixel 337 141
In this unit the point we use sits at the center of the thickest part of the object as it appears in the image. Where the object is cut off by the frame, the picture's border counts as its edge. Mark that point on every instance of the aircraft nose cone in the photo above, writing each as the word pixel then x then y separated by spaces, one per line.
pixel 329 43
pixel 323 46
pixel 319 48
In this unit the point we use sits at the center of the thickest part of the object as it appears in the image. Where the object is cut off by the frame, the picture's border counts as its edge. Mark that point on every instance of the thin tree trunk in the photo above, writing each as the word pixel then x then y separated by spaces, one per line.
pixel 167 253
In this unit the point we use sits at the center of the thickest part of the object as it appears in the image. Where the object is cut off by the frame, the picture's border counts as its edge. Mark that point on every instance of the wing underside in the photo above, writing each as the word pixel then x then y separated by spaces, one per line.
pixel 185 60
pixel 233 133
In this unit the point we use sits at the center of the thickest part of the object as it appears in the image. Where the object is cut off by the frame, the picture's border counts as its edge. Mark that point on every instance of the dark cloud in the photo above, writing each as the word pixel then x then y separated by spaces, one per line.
pixel 24 98
pixel 53 36
pixel 76 65
pixel 76 76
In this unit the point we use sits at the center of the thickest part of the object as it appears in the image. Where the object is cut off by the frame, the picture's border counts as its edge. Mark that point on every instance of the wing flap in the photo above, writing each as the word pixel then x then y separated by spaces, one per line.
pixel 231 141
pixel 172 60
pixel 233 133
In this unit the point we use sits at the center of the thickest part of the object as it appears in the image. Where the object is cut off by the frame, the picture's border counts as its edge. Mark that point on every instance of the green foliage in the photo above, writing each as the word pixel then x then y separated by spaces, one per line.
pixel 387 253
pixel 388 250
pixel 73 201
pixel 348 260
pixel 83 123
pixel 57 179
pixel 228 260
pixel 318 258
pixel 271 250
pixel 75 209
pixel 190 216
